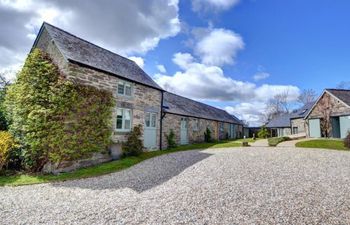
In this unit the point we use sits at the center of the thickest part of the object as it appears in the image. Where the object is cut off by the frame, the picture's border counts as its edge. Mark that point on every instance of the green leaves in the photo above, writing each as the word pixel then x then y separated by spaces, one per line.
pixel 54 119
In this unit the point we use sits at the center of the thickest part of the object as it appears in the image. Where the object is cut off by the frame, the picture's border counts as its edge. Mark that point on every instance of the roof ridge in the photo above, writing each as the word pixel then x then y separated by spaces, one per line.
pixel 198 102
pixel 84 40
pixel 337 89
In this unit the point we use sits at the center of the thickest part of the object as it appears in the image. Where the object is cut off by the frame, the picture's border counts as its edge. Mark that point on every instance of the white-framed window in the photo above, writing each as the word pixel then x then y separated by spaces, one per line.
pixel 123 122
pixel 151 120
pixel 195 124
pixel 124 88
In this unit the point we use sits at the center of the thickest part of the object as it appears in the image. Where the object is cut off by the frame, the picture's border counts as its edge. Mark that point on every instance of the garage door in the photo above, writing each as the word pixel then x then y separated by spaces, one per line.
pixel 315 128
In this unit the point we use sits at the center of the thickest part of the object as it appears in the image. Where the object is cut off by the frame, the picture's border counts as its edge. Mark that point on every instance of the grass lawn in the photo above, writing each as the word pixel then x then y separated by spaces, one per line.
pixel 323 143
pixel 108 167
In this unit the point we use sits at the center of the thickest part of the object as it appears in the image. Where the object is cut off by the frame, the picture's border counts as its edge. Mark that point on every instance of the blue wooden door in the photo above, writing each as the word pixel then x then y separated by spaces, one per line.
pixel 183 132
pixel 314 128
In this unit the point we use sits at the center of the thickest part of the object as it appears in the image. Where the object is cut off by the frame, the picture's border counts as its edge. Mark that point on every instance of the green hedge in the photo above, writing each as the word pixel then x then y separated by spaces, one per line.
pixel 55 119
pixel 276 140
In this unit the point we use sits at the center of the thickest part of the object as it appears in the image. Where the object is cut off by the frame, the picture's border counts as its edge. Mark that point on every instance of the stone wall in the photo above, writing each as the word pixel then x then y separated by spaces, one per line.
pixel 144 99
pixel 299 123
pixel 172 121
pixel 337 108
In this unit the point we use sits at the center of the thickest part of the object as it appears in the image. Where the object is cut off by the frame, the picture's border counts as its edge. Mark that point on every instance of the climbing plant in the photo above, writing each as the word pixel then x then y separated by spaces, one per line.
pixel 53 118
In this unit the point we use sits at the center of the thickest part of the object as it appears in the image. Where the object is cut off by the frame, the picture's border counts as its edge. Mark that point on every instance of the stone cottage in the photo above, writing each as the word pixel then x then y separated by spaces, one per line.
pixel 138 98
pixel 290 123
pixel 189 120
pixel 330 115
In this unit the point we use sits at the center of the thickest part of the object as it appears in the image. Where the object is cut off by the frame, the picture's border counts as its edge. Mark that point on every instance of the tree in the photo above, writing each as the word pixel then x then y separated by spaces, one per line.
pixel 4 83
pixel 276 106
pixel 307 96
pixel 54 119
pixel 326 109
pixel 263 133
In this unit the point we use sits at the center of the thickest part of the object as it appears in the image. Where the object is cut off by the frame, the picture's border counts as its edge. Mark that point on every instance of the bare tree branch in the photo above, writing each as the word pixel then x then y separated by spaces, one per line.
pixel 307 96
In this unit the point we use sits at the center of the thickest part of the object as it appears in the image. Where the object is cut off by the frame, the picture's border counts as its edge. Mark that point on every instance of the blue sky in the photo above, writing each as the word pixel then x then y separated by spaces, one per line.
pixel 233 54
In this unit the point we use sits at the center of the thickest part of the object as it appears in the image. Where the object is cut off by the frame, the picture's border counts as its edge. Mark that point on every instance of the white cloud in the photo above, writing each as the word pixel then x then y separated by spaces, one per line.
pixel 183 60
pixel 267 92
pixel 261 76
pixel 219 47
pixel 138 60
pixel 125 27
pixel 204 82
pixel 248 111
pixel 161 68
pixel 216 5
pixel 201 81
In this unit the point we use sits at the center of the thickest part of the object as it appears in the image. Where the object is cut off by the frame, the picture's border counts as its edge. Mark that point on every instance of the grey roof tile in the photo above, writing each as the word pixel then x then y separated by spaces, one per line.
pixel 184 106
pixel 280 121
pixel 81 51
pixel 303 111
pixel 342 94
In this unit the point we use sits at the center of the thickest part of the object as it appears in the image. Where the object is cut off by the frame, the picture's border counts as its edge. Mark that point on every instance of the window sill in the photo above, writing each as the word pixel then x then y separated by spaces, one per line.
pixel 116 132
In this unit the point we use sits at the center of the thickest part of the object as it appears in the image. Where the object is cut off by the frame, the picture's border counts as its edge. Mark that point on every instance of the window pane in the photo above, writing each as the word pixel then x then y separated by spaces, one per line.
pixel 127 119
pixel 127 124
pixel 154 118
pixel 121 88
pixel 127 114
pixel 147 119
pixel 128 90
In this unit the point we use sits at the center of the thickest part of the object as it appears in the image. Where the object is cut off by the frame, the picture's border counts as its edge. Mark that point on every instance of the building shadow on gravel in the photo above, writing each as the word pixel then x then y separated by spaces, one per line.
pixel 143 176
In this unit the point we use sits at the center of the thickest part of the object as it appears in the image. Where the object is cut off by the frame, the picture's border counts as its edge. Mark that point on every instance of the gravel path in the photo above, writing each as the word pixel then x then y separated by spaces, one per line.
pixel 260 143
pixel 221 186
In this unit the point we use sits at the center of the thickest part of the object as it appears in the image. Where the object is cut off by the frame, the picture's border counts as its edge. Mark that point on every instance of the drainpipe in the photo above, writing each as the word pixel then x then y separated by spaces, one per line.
pixel 161 122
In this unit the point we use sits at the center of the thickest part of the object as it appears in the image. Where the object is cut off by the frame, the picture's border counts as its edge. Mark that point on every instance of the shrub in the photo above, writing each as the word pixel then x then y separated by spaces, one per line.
pixel 347 141
pixel 207 135
pixel 263 133
pixel 276 140
pixel 55 119
pixel 7 145
pixel 171 139
pixel 134 145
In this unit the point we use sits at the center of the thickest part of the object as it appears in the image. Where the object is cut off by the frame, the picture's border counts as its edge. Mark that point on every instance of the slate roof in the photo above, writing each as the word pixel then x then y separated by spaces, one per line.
pixel 342 94
pixel 81 51
pixel 187 107
pixel 303 111
pixel 280 121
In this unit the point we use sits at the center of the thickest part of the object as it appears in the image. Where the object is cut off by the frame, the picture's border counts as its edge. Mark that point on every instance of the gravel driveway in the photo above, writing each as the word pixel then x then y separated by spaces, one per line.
pixel 222 186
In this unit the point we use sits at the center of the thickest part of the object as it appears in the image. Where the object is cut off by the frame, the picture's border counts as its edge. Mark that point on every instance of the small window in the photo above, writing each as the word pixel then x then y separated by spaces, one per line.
pixel 151 120
pixel 295 130
pixel 221 126
pixel 124 88
pixel 195 125
pixel 123 122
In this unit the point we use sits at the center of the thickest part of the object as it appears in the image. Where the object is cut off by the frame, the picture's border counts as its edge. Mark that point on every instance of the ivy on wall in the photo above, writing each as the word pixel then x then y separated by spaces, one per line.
pixel 53 118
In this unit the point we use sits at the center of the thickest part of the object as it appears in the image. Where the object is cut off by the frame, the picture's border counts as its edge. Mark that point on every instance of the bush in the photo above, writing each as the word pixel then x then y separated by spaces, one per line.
pixel 263 133
pixel 7 145
pixel 171 139
pixel 55 119
pixel 347 141
pixel 134 145
pixel 207 135
pixel 276 140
